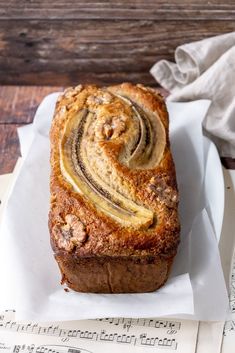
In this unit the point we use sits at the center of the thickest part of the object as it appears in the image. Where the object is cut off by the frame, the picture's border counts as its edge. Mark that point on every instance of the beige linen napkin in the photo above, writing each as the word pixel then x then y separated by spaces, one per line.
pixel 205 70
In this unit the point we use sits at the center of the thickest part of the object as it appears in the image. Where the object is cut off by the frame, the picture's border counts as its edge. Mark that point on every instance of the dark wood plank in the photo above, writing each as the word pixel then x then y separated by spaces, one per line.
pixel 10 150
pixel 19 104
pixel 132 10
pixel 17 107
pixel 102 51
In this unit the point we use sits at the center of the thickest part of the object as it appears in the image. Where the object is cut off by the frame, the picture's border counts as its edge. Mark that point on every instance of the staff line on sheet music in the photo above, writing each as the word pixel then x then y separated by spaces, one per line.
pixel 102 336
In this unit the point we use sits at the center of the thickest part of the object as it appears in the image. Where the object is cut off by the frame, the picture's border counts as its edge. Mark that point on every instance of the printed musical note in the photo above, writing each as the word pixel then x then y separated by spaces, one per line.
pixel 103 335
pixel 142 322
pixel 229 327
pixel 47 349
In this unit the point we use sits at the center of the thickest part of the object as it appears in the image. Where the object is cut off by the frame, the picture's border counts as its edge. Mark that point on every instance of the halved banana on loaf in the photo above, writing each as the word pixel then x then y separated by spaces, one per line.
pixel 113 219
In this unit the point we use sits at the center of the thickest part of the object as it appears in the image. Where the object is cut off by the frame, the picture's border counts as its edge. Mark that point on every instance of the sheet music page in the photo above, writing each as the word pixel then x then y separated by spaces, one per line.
pixel 101 335
pixel 229 329
pixel 7 315
pixel 228 345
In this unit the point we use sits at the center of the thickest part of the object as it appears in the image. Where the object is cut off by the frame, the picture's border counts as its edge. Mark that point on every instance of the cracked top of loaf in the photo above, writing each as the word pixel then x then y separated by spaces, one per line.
pixel 113 182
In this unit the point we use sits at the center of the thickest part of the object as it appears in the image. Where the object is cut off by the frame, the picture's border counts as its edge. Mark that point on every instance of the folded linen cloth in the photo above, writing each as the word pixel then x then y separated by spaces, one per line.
pixel 205 70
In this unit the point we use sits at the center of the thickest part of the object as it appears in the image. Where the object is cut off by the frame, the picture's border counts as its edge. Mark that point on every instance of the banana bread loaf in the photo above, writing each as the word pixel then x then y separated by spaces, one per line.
pixel 114 202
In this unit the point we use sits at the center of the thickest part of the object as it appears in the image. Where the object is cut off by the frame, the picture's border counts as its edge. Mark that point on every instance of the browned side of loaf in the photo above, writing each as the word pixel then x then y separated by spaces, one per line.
pixel 113 275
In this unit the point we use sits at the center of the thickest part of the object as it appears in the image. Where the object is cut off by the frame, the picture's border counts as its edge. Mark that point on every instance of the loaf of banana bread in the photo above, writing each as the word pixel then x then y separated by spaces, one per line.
pixel 114 202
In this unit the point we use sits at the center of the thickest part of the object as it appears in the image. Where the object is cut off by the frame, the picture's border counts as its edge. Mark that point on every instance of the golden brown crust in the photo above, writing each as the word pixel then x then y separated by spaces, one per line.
pixel 79 227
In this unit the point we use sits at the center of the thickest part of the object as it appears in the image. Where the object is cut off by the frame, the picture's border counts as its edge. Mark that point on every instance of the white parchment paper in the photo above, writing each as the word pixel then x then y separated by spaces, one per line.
pixel 30 279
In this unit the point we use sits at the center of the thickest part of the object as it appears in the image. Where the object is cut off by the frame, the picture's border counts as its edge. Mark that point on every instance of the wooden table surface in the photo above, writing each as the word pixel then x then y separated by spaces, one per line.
pixel 18 105
pixel 63 42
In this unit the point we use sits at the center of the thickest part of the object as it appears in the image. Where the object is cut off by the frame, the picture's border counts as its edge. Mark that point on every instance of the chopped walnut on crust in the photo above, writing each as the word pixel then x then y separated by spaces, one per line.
pixel 110 128
pixel 71 234
pixel 72 91
pixel 160 188
pixel 100 98
pixel 67 97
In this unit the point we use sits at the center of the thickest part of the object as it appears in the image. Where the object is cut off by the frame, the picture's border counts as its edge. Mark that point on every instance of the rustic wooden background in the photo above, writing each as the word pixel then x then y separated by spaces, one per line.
pixel 65 41
pixel 59 43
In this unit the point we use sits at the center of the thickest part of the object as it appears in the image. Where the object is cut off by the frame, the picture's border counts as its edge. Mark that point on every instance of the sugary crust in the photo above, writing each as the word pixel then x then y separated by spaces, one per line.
pixel 98 236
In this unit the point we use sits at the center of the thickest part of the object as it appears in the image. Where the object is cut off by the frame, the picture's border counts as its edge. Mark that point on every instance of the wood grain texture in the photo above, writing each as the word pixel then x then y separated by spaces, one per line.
pixel 122 10
pixel 56 52
pixel 19 104
pixel 17 107
pixel 10 150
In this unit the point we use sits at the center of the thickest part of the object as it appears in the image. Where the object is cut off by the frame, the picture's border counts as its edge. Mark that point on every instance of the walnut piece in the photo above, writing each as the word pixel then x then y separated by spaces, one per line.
pixel 100 98
pixel 72 91
pixel 160 188
pixel 72 234
pixel 110 128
